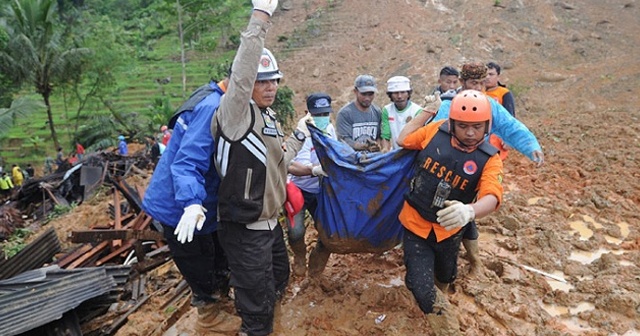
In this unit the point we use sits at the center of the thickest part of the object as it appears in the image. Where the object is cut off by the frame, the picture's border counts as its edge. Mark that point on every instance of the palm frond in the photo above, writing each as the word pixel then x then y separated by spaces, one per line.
pixel 20 108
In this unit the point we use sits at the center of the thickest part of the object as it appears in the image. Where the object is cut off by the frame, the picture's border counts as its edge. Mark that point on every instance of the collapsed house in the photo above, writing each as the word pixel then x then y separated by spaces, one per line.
pixel 45 290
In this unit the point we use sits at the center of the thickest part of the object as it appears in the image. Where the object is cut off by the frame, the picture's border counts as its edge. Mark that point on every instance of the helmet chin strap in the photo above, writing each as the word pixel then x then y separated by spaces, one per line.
pixel 457 143
pixel 464 147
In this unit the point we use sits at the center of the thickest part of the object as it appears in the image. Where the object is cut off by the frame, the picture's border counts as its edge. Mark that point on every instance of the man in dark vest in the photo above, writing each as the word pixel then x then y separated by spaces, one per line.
pixel 251 158
pixel 458 177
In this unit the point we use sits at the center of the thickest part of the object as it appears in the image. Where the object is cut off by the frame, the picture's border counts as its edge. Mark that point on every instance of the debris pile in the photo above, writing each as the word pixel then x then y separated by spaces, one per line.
pixel 43 287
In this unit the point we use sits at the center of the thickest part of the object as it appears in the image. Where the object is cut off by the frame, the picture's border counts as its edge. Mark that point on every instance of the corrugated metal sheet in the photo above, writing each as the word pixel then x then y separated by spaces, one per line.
pixel 34 301
pixel 34 255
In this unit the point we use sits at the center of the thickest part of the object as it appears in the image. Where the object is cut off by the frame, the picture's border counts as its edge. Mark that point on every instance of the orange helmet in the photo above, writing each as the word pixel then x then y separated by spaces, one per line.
pixel 163 128
pixel 471 106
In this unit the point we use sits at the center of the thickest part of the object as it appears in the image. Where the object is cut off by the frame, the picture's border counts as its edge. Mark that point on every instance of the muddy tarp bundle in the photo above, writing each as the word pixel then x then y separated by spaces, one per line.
pixel 359 202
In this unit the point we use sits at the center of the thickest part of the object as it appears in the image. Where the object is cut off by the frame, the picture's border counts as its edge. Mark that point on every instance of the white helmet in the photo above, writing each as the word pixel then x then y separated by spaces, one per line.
pixel 398 84
pixel 268 66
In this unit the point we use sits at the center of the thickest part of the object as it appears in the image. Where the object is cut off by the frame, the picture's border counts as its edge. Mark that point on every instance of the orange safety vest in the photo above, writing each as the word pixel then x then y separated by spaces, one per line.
pixel 497 93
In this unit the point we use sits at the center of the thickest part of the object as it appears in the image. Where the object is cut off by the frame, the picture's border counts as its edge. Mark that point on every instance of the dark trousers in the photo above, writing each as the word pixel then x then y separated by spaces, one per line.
pixel 203 265
pixel 297 230
pixel 259 266
pixel 471 231
pixel 426 259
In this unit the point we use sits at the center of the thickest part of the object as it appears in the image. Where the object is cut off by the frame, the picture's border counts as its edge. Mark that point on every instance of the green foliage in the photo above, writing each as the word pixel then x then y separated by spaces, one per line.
pixel 518 89
pixel 15 243
pixel 131 43
pixel 283 106
pixel 159 113
pixel 37 52
pixel 300 37
pixel 96 86
pixel 20 108
pixel 60 210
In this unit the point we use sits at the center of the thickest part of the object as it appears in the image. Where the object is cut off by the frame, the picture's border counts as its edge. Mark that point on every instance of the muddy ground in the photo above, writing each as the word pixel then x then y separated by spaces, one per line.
pixel 573 66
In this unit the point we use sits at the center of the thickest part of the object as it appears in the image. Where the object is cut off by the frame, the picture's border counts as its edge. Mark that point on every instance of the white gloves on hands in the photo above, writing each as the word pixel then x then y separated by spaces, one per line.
pixel 318 171
pixel 302 124
pixel 267 6
pixel 193 218
pixel 455 214
pixel 432 103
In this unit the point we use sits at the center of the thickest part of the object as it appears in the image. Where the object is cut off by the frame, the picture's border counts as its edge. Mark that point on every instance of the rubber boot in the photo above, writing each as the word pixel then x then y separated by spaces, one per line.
pixel 299 249
pixel 214 321
pixel 318 259
pixel 443 321
pixel 473 255
pixel 444 287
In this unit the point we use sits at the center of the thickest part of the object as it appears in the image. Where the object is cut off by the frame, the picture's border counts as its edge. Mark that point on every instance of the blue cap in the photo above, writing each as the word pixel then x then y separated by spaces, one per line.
pixel 120 137
pixel 319 102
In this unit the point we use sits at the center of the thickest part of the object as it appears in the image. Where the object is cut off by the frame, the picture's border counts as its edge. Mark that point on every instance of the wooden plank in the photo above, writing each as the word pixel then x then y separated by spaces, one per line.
pixel 136 222
pixel 117 222
pixel 183 308
pixel 140 191
pixel 73 256
pixel 126 246
pixel 111 223
pixel 88 236
pixel 87 256
pixel 122 319
pixel 53 198
pixel 145 223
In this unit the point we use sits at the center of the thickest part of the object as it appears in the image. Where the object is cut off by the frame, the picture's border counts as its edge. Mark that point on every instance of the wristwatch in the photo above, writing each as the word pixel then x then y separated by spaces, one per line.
pixel 299 135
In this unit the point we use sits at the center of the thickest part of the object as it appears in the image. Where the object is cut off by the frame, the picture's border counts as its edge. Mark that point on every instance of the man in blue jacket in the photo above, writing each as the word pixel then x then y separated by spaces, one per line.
pixel 513 132
pixel 183 187
pixel 504 125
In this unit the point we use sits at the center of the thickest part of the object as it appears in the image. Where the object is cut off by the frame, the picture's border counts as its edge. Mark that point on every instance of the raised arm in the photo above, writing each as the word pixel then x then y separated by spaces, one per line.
pixel 234 106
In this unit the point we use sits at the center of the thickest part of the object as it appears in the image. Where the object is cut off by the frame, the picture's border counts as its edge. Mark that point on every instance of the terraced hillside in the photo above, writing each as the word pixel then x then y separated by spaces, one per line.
pixel 30 140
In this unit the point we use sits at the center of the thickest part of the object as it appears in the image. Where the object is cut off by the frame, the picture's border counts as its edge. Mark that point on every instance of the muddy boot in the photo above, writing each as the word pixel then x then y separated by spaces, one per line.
pixel 473 255
pixel 286 4
pixel 444 287
pixel 299 257
pixel 443 321
pixel 214 321
pixel 318 259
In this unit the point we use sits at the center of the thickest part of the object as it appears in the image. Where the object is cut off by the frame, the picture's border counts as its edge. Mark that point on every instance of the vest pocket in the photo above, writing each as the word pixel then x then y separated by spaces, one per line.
pixel 247 183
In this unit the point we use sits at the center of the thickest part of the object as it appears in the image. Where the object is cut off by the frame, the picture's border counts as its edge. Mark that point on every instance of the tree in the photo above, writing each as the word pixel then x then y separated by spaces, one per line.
pixel 35 53
pixel 97 81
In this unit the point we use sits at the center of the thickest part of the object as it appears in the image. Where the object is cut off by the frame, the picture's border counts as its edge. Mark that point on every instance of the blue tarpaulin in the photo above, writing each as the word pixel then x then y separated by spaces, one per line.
pixel 359 202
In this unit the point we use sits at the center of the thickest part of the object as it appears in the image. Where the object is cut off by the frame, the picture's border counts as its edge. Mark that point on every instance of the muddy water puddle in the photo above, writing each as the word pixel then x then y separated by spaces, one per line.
pixel 586 228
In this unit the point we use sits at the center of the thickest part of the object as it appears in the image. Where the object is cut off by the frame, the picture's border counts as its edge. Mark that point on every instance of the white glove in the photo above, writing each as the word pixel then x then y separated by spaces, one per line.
pixel 267 6
pixel 318 171
pixel 432 103
pixel 455 214
pixel 302 124
pixel 193 218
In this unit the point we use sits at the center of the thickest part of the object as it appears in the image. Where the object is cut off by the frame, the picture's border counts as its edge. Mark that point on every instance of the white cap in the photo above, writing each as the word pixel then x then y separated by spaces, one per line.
pixel 398 84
